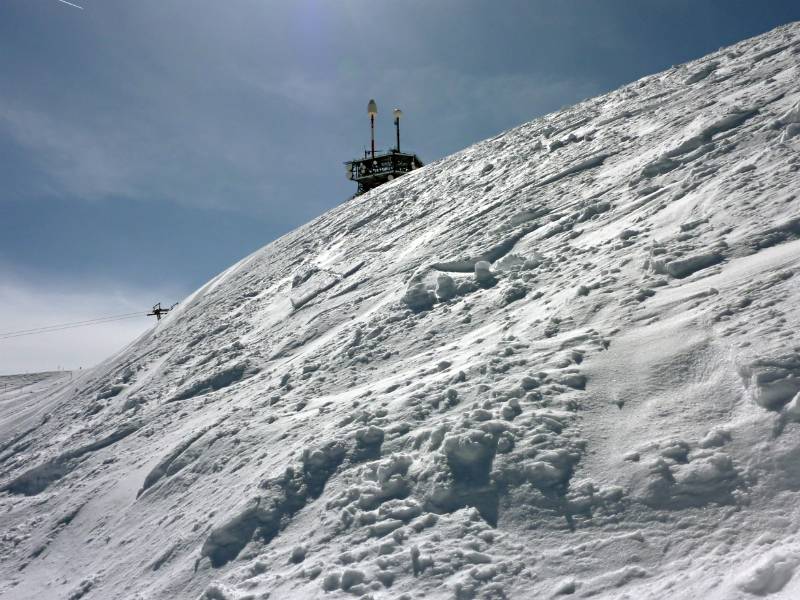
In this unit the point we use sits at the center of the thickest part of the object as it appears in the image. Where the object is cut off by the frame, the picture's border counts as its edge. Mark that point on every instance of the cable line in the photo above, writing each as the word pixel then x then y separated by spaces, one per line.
pixel 72 325
pixel 63 327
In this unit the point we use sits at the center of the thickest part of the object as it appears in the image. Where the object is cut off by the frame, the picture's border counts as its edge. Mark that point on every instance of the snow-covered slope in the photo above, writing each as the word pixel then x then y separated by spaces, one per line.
pixel 366 408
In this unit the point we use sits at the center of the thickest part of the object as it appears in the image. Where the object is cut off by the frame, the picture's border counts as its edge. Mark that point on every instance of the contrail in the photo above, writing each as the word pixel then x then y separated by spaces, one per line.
pixel 71 4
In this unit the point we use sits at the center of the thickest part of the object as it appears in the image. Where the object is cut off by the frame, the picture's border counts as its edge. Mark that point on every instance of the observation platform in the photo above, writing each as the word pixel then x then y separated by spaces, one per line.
pixel 378 168
pixel 370 172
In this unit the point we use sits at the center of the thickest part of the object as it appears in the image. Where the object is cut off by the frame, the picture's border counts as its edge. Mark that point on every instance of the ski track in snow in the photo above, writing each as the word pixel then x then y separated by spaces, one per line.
pixel 561 362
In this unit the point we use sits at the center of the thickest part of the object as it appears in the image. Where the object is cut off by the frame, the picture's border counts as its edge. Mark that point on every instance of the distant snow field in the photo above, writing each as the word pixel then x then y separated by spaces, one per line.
pixel 563 362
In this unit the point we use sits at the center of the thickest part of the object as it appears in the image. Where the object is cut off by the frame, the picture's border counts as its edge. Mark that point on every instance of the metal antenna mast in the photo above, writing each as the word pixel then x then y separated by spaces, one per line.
pixel 372 110
pixel 397 114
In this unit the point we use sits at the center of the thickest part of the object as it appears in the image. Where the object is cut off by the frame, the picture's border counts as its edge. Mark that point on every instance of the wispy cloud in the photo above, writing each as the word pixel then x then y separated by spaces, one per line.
pixel 73 158
pixel 121 155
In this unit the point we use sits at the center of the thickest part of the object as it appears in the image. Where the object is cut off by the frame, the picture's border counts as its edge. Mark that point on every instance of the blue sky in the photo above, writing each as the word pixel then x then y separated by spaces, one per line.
pixel 146 145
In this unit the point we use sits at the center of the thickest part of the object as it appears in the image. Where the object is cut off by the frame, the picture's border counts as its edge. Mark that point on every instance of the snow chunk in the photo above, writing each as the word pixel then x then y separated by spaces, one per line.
pixel 350 578
pixel 683 267
pixel 773 381
pixel 445 287
pixel 791 131
pixel 770 575
pixel 483 274
pixel 418 298
pixel 469 454
pixel 792 115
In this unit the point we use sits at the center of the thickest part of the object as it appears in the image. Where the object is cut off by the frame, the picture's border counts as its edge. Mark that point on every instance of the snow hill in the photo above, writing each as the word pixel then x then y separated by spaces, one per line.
pixel 562 362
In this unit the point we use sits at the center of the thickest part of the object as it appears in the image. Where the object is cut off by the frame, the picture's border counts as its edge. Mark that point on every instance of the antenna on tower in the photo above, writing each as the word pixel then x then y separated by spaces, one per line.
pixel 397 114
pixel 372 110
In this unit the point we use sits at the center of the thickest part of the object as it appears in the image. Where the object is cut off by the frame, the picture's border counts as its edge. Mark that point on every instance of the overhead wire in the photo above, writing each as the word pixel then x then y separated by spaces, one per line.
pixel 72 323
pixel 62 326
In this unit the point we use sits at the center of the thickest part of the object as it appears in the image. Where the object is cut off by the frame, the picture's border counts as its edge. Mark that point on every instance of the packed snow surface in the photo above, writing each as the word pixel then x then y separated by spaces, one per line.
pixel 563 362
